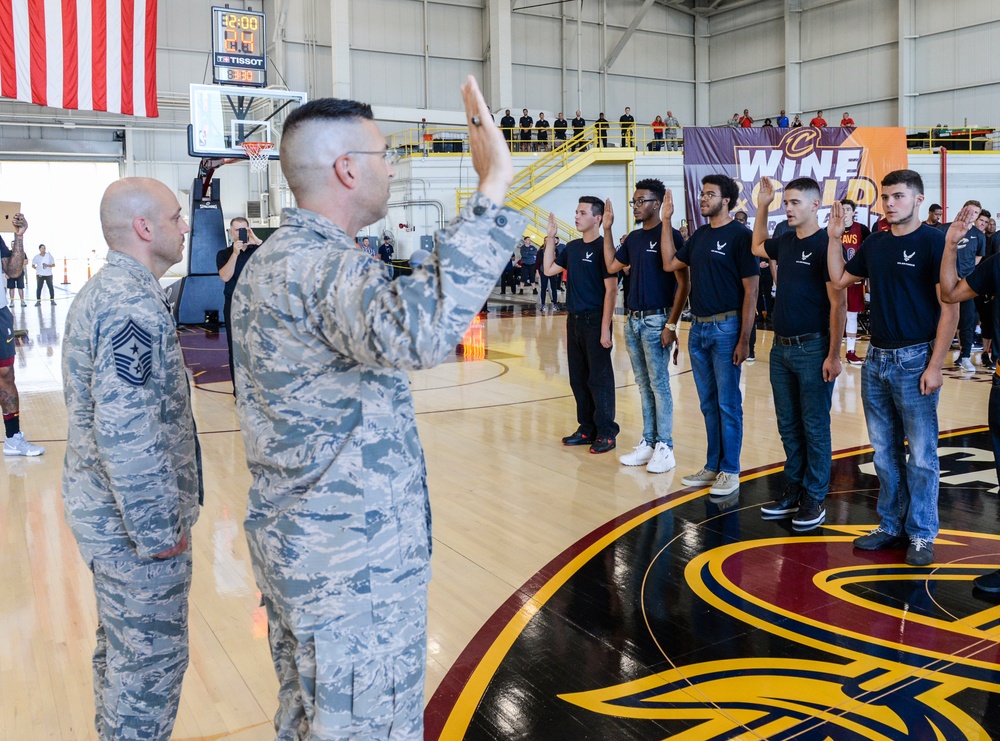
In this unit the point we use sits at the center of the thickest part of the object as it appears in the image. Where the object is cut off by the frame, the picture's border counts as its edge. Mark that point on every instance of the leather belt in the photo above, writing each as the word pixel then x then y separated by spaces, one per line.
pixel 647 312
pixel 800 339
pixel 715 317
pixel 897 344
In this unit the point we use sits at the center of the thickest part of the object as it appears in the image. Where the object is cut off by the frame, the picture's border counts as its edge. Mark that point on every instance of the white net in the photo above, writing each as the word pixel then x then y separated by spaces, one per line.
pixel 257 154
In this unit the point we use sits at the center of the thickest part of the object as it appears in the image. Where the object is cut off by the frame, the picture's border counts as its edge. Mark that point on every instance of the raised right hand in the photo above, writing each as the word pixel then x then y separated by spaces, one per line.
pixel 835 224
pixel 609 214
pixel 490 155
pixel 765 192
pixel 552 229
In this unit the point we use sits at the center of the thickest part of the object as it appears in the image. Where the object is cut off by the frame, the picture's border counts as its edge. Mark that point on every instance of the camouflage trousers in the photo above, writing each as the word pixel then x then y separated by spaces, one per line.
pixel 142 645
pixel 340 681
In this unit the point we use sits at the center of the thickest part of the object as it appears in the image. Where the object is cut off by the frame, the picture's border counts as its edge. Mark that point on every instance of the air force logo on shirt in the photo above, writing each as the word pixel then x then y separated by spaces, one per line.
pixel 963 243
pixel 587 257
pixel 805 258
pixel 720 248
pixel 652 247
pixel 907 259
pixel 133 349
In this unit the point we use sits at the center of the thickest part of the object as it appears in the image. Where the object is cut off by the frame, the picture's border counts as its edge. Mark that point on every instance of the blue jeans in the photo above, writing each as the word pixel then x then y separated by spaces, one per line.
pixel 651 365
pixel 802 405
pixel 711 345
pixel 896 411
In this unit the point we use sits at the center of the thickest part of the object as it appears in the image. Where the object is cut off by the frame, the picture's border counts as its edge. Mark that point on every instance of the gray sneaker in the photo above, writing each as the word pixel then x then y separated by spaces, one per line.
pixel 725 484
pixel 17 445
pixel 966 365
pixel 704 477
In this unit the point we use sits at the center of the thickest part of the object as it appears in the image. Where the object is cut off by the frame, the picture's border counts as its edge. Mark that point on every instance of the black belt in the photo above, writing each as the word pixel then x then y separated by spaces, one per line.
pixel 715 317
pixel 800 339
pixel 647 312
pixel 897 345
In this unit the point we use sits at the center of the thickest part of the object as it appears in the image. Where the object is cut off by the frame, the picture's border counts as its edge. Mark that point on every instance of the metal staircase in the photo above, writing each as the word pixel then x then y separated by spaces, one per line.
pixel 549 171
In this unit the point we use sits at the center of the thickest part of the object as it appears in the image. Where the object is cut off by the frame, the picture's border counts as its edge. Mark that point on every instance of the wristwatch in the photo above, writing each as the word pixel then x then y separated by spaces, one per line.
pixel 671 327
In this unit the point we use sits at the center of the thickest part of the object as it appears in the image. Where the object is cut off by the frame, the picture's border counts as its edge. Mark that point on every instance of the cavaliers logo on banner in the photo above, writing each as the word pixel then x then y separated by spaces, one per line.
pixel 847 163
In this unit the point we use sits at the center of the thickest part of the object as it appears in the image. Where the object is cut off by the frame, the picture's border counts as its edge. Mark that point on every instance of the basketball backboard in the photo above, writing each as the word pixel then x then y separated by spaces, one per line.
pixel 223 117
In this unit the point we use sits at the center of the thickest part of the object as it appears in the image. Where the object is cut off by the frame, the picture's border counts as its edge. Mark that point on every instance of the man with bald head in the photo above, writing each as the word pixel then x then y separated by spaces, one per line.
pixel 338 518
pixel 132 476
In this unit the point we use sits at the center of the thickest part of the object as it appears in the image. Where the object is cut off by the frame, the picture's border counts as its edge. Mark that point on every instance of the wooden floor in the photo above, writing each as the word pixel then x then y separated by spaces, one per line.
pixel 507 498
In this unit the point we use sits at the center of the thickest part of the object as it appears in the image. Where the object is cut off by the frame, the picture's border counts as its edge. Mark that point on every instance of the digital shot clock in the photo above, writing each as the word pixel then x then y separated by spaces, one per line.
pixel 239 51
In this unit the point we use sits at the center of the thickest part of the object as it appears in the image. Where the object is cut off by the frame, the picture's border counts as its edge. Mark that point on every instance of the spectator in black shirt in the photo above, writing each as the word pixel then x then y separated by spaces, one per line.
pixel 230 263
pixel 627 122
pixel 507 124
pixel 559 127
pixel 601 126
pixel 543 133
pixel 579 124
pixel 526 122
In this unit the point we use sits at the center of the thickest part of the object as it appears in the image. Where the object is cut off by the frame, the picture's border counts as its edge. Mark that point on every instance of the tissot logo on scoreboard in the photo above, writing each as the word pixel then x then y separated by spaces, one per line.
pixel 847 163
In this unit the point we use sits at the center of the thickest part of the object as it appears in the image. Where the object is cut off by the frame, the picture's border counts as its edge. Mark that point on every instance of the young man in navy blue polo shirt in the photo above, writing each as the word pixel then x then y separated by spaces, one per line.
pixel 590 303
pixel 654 303
pixel 901 378
pixel 984 279
pixel 724 282
pixel 809 318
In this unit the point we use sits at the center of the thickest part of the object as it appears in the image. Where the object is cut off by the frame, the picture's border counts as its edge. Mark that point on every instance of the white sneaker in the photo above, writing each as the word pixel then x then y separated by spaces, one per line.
pixel 17 445
pixel 704 476
pixel 663 459
pixel 640 455
pixel 725 484
pixel 966 365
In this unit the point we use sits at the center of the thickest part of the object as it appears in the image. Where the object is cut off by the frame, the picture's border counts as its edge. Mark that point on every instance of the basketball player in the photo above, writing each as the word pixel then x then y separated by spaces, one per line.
pixel 901 378
pixel 854 235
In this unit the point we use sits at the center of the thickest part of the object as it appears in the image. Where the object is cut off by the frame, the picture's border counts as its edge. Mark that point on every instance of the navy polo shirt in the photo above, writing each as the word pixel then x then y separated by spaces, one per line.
pixel 903 273
pixel 585 262
pixel 801 302
pixel 720 258
pixel 650 287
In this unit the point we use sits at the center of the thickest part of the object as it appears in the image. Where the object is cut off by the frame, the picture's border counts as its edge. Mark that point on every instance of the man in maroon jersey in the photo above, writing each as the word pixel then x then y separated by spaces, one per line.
pixel 854 235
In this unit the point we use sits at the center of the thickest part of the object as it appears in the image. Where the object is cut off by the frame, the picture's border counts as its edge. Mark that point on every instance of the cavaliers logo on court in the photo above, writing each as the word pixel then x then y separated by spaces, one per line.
pixel 697 620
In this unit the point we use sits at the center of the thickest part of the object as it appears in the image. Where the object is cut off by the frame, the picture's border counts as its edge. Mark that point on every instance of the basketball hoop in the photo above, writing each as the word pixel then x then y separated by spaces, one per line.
pixel 257 154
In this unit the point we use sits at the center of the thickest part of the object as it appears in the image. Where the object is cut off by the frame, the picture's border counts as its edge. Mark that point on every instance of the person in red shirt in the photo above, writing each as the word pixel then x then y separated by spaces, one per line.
pixel 854 235
pixel 818 122
pixel 746 120
pixel 847 120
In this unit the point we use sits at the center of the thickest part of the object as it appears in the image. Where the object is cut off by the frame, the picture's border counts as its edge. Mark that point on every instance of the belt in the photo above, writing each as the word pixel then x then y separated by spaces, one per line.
pixel 800 339
pixel 647 312
pixel 897 345
pixel 715 317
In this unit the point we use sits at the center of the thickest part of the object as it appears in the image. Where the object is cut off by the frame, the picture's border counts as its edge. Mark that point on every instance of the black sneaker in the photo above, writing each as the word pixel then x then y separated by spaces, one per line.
pixel 578 438
pixel 787 504
pixel 988 582
pixel 603 445
pixel 878 539
pixel 811 513
pixel 920 552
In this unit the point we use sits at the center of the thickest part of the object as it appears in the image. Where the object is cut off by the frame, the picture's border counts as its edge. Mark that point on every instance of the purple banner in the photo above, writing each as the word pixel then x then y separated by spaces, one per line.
pixel 846 162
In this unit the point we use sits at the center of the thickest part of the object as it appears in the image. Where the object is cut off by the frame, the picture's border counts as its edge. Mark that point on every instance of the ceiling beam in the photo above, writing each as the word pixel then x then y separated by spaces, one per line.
pixel 620 46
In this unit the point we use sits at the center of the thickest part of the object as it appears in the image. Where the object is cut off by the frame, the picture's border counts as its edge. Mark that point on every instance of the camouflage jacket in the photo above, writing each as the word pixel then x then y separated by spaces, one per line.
pixel 338 519
pixel 132 475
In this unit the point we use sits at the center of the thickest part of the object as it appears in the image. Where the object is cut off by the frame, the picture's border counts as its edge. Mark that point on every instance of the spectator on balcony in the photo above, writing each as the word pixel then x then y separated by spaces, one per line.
pixel 627 122
pixel 782 120
pixel 672 125
pixel 601 126
pixel 796 123
pixel 746 120
pixel 542 133
pixel 818 122
pixel 846 120
pixel 734 122
pixel 658 127
pixel 507 124
pixel 526 123
pixel 559 127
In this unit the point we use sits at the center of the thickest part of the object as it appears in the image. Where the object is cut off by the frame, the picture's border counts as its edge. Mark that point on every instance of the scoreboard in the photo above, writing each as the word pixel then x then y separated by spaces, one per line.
pixel 239 52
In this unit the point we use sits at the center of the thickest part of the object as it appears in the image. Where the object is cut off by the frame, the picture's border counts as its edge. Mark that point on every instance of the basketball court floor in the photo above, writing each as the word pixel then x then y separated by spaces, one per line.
pixel 572 598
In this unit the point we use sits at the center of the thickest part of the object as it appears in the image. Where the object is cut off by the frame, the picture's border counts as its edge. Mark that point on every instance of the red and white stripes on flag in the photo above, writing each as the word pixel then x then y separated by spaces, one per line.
pixel 91 55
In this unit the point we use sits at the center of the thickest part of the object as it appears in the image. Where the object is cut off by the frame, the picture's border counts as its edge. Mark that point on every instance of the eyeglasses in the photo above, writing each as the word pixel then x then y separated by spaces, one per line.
pixel 391 156
pixel 709 196
pixel 639 201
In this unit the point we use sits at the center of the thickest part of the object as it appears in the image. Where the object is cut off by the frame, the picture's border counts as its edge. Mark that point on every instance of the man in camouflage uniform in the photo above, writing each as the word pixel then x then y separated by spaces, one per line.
pixel 338 519
pixel 132 476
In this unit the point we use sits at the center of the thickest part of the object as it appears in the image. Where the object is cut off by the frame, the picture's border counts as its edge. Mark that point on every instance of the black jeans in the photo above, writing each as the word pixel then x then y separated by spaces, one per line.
pixel 966 326
pixel 591 375
pixel 43 280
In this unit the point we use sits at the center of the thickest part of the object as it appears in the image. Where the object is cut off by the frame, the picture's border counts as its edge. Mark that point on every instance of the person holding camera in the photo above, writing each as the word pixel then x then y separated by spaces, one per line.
pixel 230 263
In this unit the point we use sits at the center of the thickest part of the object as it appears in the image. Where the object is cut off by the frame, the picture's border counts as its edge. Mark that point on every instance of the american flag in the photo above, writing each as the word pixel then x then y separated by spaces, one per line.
pixel 92 55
